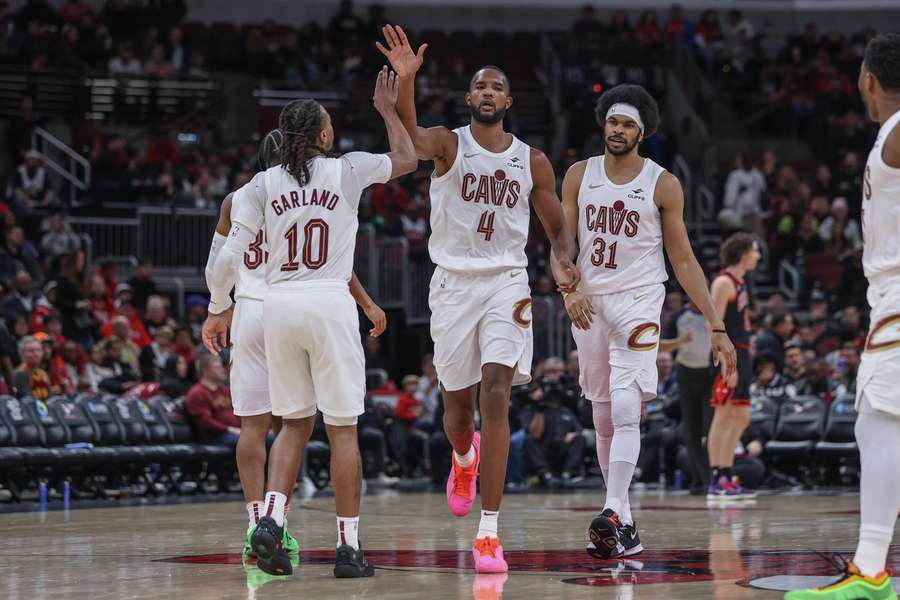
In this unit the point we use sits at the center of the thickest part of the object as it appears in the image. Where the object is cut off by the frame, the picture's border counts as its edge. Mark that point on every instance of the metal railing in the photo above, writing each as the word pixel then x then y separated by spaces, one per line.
pixel 365 259
pixel 176 237
pixel 110 237
pixel 418 311
pixel 789 280
pixel 64 161
pixel 393 272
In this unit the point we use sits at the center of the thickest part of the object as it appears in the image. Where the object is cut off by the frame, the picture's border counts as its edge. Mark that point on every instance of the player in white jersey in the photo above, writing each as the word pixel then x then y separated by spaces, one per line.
pixel 248 372
pixel 307 208
pixel 877 401
pixel 624 209
pixel 484 183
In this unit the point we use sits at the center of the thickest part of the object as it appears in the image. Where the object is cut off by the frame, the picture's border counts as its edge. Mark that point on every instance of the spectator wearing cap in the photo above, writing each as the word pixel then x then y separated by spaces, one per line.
pixel 30 378
pixel 209 404
pixel 196 306
pixel 780 327
pixel 31 186
pixel 59 238
pixel 142 284
pixel 15 257
pixel 21 300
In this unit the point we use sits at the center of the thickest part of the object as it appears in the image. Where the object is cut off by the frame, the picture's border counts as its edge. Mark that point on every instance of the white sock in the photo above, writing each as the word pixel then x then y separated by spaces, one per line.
pixel 624 449
pixel 254 511
pixel 467 459
pixel 625 514
pixel 487 527
pixel 348 532
pixel 274 506
pixel 878 436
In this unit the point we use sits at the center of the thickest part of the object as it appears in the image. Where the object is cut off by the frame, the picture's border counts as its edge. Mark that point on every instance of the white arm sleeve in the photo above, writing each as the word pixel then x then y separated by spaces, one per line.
pixel 217 242
pixel 360 170
pixel 249 202
pixel 222 279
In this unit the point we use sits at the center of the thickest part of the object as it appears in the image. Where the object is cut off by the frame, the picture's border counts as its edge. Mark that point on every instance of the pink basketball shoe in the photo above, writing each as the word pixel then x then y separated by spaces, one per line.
pixel 462 482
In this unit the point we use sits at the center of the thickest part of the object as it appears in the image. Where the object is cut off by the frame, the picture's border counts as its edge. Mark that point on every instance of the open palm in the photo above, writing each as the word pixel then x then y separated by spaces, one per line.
pixel 399 53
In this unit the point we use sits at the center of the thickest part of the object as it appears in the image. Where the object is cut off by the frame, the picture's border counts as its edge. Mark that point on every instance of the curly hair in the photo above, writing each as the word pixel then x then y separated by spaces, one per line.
pixel 734 248
pixel 882 59
pixel 635 95
pixel 300 123
pixel 269 153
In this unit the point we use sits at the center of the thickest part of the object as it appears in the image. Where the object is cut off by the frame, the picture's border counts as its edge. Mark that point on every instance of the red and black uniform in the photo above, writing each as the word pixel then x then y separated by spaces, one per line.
pixel 737 326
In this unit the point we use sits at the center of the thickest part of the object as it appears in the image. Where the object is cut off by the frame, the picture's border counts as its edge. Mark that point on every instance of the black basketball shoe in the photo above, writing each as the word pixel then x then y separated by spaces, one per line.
pixel 631 541
pixel 350 563
pixel 271 557
pixel 605 536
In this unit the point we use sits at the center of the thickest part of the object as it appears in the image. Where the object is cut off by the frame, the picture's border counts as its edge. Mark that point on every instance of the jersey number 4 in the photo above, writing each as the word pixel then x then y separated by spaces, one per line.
pixel 486 225
pixel 315 246
pixel 598 257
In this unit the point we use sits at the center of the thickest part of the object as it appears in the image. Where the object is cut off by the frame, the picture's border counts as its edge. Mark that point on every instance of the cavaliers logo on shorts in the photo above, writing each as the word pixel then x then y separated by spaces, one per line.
pixel 522 313
pixel 639 338
pixel 879 340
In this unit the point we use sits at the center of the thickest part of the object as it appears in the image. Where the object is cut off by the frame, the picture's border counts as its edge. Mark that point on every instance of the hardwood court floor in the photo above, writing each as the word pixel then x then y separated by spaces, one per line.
pixel 193 550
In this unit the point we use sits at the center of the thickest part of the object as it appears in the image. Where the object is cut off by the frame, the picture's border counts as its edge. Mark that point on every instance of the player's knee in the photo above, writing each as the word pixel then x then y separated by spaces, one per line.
pixel 257 425
pixel 602 413
pixel 456 425
pixel 626 409
pixel 340 421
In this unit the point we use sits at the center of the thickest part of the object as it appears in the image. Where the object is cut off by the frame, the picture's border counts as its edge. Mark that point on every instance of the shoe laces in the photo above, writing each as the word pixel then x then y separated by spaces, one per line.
pixel 464 477
pixel 487 545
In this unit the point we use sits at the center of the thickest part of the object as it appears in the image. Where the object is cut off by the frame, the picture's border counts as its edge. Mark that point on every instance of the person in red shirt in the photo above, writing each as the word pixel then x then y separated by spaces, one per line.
pixel 103 309
pixel 403 432
pixel 209 403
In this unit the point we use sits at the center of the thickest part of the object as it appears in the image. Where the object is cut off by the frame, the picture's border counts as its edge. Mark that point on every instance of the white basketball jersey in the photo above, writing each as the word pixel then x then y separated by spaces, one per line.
pixel 881 211
pixel 480 208
pixel 619 230
pixel 310 230
pixel 250 277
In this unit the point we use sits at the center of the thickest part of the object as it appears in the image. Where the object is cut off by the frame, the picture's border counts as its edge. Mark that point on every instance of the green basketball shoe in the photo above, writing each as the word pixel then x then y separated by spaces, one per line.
pixel 852 585
pixel 288 542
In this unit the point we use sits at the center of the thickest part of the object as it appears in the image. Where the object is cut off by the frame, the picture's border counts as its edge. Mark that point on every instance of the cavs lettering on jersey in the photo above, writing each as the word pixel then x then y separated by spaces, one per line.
pixel 619 230
pixel 881 212
pixel 310 230
pixel 480 208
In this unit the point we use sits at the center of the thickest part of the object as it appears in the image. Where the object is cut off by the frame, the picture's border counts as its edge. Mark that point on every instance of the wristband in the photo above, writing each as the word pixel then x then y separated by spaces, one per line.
pixel 720 331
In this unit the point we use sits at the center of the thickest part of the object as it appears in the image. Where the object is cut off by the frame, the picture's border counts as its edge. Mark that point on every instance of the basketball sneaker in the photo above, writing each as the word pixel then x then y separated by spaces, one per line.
pixel 256 577
pixel 722 489
pixel 289 542
pixel 631 541
pixel 350 563
pixel 462 484
pixel 488 555
pixel 852 585
pixel 605 534
pixel 267 544
pixel 742 492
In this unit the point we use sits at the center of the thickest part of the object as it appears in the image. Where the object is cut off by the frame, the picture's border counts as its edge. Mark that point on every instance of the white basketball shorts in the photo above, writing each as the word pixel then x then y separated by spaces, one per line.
pixel 480 319
pixel 879 368
pixel 315 354
pixel 622 343
pixel 249 373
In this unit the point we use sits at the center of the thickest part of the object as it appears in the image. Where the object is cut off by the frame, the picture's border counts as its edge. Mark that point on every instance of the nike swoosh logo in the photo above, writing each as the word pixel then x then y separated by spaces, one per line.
pixel 636 298
pixel 470 155
pixel 514 274
pixel 594 187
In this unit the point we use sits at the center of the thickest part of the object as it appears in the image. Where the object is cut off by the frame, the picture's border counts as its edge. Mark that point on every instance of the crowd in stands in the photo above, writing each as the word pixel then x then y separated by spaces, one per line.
pixel 70 328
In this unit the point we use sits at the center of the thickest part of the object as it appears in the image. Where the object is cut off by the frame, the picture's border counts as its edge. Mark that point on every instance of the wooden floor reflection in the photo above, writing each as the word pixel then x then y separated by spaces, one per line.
pixel 421 551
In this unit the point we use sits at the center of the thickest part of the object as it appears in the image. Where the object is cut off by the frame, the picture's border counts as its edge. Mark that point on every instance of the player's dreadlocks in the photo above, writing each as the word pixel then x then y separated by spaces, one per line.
pixel 269 153
pixel 300 122
pixel 637 97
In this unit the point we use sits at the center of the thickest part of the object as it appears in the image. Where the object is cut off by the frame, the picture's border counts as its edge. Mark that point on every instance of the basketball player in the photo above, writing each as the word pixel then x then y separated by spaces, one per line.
pixel 624 209
pixel 730 399
pixel 877 400
pixel 307 208
pixel 248 372
pixel 484 182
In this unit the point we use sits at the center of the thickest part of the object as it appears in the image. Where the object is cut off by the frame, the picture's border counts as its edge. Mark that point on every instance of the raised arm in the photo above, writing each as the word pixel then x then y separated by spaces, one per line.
pixel 670 199
pixel 547 206
pixel 402 154
pixel 435 143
